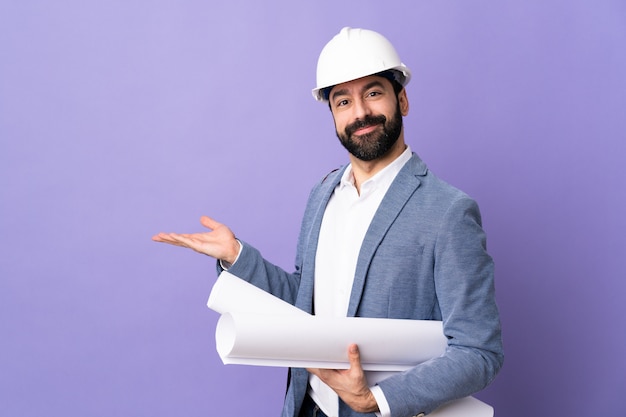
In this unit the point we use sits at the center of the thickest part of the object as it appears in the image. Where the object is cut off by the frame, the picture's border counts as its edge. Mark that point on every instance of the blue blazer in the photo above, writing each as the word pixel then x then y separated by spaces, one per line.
pixel 423 257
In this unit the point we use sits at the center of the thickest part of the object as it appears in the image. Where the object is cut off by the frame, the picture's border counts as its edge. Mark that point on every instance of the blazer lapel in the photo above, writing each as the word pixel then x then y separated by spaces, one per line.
pixel 319 203
pixel 402 188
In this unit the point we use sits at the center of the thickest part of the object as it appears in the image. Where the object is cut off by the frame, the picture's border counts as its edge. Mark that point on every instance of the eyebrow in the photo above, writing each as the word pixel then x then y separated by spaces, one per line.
pixel 344 91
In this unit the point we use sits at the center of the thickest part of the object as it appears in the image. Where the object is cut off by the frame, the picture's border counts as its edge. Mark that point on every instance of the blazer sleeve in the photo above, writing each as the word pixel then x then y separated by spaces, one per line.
pixel 463 274
pixel 252 267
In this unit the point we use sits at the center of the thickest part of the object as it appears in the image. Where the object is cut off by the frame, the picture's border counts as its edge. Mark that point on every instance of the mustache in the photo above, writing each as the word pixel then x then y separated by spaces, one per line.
pixel 365 122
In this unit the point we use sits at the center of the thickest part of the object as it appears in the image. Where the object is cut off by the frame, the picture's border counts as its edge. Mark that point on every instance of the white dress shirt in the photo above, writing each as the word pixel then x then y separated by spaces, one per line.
pixel 345 223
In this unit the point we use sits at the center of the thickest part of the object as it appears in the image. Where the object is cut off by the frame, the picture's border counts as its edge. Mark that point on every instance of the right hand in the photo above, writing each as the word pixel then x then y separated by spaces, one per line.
pixel 219 243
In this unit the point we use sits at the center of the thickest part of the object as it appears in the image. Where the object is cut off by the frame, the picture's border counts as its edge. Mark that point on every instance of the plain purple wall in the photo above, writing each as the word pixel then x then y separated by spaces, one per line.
pixel 120 119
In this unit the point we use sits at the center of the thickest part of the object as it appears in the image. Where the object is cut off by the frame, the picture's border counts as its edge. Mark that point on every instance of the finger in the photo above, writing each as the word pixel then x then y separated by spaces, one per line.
pixel 182 239
pixel 323 374
pixel 162 237
pixel 168 238
pixel 210 223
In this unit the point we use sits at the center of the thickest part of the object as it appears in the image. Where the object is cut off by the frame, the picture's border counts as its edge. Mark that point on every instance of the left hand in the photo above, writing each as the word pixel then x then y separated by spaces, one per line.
pixel 350 384
pixel 219 243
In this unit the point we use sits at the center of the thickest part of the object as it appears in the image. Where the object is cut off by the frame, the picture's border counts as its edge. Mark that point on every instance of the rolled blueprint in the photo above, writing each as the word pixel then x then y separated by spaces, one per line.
pixel 232 294
pixel 307 341
pixel 256 328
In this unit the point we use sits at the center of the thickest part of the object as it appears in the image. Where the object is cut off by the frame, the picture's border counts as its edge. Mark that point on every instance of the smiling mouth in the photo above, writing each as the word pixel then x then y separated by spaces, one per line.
pixel 365 126
pixel 365 129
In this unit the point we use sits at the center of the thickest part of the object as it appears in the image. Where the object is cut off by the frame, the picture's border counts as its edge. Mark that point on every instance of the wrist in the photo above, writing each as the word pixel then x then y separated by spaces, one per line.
pixel 230 260
pixel 372 404
pixel 366 403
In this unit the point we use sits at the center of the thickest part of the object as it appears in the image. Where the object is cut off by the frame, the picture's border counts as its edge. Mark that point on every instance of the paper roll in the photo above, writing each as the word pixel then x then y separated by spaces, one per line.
pixel 322 342
pixel 232 294
pixel 256 328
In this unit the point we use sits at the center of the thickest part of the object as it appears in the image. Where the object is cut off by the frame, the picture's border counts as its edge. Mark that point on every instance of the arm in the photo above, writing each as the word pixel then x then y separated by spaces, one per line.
pixel 461 272
pixel 244 261
pixel 464 284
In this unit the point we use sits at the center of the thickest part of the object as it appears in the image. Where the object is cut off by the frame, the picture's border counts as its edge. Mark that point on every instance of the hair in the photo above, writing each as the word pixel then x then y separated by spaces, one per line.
pixel 392 76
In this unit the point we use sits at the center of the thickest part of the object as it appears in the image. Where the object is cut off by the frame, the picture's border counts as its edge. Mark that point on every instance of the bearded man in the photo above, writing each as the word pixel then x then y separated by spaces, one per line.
pixel 381 237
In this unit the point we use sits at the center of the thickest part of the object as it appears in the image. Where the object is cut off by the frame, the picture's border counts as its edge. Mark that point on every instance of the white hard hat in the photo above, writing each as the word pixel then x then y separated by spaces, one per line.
pixel 353 54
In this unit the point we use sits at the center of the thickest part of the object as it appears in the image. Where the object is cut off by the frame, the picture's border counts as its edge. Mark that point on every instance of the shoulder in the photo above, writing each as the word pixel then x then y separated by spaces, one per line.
pixel 334 171
pixel 334 175
pixel 329 179
pixel 433 193
pixel 430 183
pixel 324 186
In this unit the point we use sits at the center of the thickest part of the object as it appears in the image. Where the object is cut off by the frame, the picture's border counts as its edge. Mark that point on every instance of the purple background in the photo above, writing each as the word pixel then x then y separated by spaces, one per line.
pixel 120 119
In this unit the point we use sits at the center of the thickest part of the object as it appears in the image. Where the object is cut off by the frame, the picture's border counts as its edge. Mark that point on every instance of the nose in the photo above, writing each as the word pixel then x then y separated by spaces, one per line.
pixel 361 109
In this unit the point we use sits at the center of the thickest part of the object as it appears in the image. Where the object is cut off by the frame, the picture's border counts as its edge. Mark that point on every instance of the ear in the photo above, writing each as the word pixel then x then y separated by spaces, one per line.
pixel 403 102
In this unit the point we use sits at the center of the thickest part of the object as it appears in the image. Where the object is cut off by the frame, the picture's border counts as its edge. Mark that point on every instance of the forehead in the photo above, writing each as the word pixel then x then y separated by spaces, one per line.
pixel 359 85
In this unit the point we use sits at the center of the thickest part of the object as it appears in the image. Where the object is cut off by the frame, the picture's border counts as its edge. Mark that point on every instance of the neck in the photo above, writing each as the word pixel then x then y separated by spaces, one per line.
pixel 364 170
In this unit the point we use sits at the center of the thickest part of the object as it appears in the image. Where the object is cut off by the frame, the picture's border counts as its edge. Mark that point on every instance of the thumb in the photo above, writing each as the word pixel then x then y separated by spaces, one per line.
pixel 209 223
pixel 354 356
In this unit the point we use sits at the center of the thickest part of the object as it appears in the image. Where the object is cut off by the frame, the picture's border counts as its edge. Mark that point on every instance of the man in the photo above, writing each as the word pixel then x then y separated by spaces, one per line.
pixel 382 237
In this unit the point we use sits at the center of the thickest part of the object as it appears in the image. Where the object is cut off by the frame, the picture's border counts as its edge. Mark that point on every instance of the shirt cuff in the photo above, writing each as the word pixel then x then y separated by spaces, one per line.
pixel 225 265
pixel 383 405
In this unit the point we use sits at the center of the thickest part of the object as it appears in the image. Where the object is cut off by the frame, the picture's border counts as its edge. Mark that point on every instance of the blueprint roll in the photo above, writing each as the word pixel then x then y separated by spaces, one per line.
pixel 232 294
pixel 307 341
pixel 256 328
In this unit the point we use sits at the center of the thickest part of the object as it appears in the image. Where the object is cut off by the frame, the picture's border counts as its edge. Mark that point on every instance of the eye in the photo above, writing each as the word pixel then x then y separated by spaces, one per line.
pixel 341 103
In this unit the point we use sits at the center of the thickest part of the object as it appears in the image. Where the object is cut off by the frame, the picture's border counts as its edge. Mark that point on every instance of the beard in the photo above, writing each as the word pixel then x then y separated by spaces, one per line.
pixel 372 145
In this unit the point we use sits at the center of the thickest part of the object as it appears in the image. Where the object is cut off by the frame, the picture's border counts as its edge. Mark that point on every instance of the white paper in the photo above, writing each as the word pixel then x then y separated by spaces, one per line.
pixel 307 341
pixel 231 294
pixel 465 407
pixel 256 328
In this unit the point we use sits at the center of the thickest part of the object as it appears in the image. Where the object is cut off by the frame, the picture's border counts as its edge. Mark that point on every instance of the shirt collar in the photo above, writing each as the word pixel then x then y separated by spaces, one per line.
pixel 382 178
